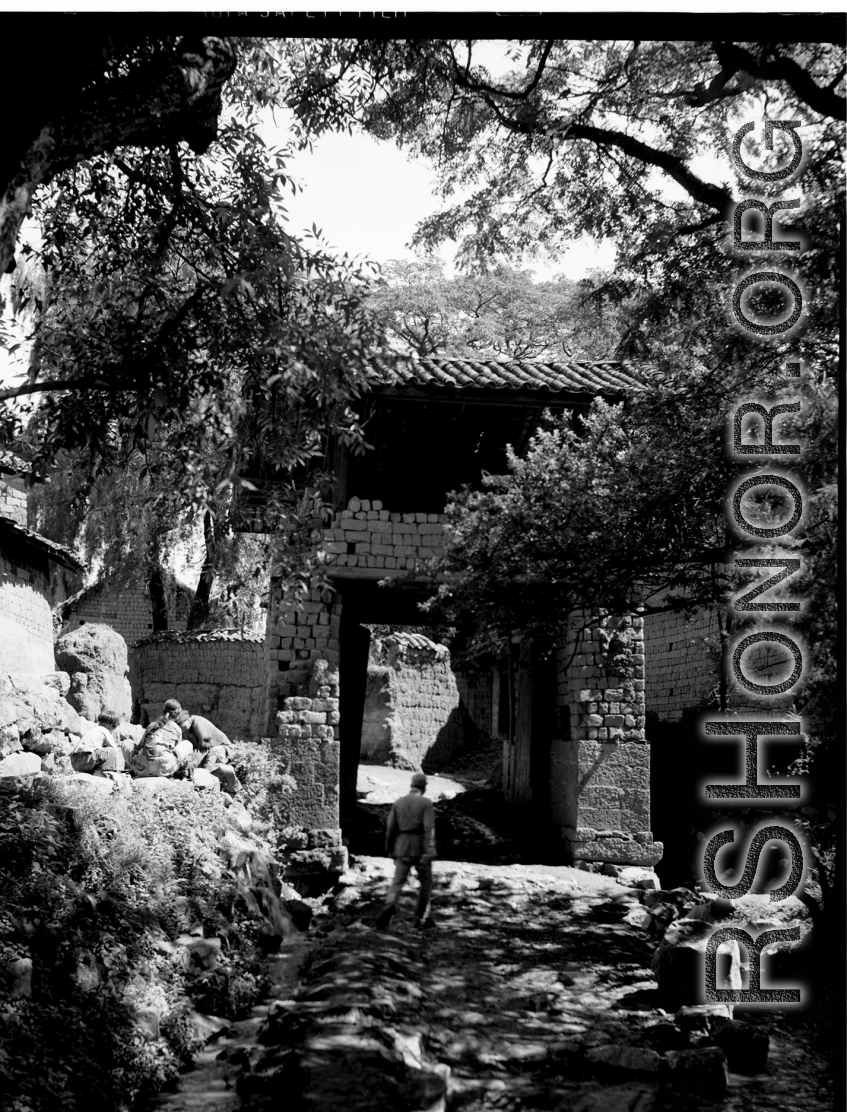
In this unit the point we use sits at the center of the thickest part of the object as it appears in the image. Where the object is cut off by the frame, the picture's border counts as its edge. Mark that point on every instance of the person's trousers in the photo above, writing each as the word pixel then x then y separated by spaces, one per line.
pixel 402 868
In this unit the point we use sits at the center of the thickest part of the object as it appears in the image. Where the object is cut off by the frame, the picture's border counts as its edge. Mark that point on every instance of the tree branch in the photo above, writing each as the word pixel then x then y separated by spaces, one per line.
pixel 160 102
pixel 87 382
pixel 780 68
pixel 703 192
pixel 483 87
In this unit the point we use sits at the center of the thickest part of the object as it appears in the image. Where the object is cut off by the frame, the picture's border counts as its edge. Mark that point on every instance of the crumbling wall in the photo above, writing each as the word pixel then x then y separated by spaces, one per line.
pixel 413 714
pixel 219 674
pixel 26 623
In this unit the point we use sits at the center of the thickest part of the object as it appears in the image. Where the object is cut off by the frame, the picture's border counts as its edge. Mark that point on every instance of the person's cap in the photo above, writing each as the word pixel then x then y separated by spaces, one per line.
pixel 419 780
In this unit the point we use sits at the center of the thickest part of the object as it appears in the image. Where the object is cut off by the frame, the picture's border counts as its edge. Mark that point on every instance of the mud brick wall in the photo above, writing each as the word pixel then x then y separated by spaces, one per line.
pixel 128 611
pixel 13 500
pixel 600 769
pixel 413 714
pixel 219 674
pixel 367 536
pixel 26 623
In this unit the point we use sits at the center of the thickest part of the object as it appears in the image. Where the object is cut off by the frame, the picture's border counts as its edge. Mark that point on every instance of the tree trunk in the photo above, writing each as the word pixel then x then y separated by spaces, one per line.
pixel 158 600
pixel 199 612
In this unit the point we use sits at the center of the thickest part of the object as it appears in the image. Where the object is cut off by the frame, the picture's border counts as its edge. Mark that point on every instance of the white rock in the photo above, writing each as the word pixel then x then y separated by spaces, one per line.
pixel 20 764
pixel 101 783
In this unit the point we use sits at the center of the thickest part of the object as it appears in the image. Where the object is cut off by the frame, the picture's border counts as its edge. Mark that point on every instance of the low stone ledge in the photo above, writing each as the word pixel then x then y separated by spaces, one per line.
pixel 618 851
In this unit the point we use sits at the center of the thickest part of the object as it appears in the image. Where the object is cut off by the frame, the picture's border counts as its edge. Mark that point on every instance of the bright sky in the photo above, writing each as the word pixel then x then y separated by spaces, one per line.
pixel 367 197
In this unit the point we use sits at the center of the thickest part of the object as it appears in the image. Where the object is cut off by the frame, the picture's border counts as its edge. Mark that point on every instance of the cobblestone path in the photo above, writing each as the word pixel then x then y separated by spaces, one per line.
pixel 531 994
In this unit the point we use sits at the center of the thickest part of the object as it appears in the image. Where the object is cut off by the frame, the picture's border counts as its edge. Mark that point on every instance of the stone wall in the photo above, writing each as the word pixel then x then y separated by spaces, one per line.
pixel 26 623
pixel 219 674
pixel 13 501
pixel 413 713
pixel 600 766
pixel 127 610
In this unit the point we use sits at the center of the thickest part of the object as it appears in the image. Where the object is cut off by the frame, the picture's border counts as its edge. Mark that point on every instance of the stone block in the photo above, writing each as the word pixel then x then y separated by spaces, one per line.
pixel 679 963
pixel 621 852
pixel 632 1060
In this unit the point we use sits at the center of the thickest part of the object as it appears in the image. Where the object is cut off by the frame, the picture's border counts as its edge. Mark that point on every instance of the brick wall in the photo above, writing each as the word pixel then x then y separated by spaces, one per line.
pixel 13 502
pixel 303 627
pixel 413 715
pixel 26 623
pixel 367 536
pixel 218 674
pixel 683 663
pixel 683 666
pixel 126 610
pixel 303 631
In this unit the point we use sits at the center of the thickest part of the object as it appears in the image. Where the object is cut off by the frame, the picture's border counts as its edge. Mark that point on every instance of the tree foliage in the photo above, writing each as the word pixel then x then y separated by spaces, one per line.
pixel 178 325
pixel 500 313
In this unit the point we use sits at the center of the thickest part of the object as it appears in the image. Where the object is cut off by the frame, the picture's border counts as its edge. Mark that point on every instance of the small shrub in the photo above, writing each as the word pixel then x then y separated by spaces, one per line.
pixel 97 890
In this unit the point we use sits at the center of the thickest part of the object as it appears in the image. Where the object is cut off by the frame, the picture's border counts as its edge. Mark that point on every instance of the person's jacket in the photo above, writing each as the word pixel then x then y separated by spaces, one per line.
pixel 411 827
pixel 201 730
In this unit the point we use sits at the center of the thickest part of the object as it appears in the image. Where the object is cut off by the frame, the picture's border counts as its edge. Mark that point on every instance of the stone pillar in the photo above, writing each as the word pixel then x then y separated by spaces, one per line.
pixel 600 773
pixel 302 711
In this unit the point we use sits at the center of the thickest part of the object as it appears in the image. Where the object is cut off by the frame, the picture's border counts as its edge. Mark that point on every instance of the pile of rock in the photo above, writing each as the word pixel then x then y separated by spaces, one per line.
pixel 704 1041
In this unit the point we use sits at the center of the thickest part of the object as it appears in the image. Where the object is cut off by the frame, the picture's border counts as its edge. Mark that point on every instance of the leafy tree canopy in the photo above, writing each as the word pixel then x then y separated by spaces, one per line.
pixel 607 138
pixel 500 313
pixel 169 301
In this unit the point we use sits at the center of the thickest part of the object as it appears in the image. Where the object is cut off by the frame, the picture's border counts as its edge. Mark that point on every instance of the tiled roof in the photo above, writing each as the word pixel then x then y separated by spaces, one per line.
pixel 55 551
pixel 405 639
pixel 11 462
pixel 609 377
pixel 187 637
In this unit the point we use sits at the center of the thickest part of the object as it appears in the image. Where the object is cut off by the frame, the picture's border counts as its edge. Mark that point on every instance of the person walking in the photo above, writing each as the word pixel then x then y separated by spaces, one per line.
pixel 410 840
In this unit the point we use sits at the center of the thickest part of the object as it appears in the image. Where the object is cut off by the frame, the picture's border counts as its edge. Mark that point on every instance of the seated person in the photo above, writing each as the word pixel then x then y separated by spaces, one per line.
pixel 162 750
pixel 212 749
pixel 97 751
